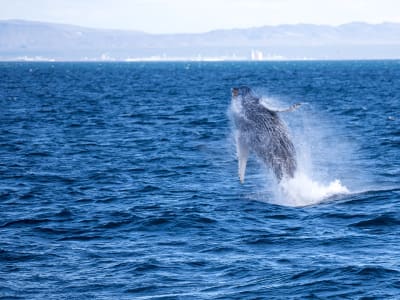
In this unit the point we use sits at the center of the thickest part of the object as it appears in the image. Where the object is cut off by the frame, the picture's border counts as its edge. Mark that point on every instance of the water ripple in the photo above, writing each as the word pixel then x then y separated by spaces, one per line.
pixel 119 181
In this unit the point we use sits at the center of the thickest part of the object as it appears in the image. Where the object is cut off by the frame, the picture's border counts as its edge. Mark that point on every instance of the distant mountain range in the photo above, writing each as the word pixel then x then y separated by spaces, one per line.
pixel 27 40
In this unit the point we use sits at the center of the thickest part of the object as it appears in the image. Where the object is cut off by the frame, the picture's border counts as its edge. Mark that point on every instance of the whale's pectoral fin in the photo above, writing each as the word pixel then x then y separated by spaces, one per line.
pixel 242 154
pixel 291 108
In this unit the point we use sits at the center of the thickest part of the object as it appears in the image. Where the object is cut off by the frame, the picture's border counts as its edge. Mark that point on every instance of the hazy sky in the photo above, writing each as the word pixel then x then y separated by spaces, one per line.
pixel 171 16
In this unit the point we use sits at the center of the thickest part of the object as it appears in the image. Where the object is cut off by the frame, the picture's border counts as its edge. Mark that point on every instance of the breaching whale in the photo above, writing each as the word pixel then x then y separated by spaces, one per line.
pixel 261 130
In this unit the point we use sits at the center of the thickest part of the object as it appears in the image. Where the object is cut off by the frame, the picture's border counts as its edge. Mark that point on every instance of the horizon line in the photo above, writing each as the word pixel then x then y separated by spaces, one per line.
pixel 188 60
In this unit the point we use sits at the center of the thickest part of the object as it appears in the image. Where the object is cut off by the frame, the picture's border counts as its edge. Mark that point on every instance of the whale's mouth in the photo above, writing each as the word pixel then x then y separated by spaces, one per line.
pixel 235 92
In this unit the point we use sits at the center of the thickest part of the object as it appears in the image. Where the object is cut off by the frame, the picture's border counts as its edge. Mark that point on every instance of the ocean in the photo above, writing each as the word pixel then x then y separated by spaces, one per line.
pixel 119 181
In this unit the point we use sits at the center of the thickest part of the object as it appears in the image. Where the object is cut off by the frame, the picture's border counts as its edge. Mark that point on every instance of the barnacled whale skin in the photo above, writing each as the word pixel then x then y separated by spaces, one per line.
pixel 261 130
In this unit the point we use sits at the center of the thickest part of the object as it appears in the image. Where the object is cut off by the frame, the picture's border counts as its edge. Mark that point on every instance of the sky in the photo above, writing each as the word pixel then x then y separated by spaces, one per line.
pixel 195 16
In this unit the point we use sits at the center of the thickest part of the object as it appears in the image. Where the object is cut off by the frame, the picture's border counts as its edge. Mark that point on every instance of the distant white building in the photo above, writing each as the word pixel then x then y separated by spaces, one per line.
pixel 257 55
pixel 106 57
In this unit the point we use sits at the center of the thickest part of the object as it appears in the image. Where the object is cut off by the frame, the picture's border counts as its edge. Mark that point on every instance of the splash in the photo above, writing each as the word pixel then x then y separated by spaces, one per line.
pixel 318 166
pixel 302 191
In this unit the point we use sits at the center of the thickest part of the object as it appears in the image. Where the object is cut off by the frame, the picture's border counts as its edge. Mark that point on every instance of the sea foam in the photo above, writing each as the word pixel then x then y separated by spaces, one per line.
pixel 302 190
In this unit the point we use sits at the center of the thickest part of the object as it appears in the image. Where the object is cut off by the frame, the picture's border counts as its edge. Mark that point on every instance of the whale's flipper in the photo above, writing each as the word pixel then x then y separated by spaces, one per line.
pixel 242 154
pixel 289 109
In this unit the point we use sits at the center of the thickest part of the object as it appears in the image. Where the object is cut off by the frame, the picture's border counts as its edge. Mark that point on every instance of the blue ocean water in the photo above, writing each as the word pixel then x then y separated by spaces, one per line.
pixel 119 181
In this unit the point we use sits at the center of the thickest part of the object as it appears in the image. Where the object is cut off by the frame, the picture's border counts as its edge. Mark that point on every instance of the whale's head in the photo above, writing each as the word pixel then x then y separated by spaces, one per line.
pixel 243 93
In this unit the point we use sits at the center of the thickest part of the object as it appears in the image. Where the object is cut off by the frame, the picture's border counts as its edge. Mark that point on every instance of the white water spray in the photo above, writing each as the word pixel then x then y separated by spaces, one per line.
pixel 302 191
pixel 308 186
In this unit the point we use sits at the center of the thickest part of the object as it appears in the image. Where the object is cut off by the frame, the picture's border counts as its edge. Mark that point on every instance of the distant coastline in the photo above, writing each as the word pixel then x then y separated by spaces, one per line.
pixel 36 41
pixel 188 60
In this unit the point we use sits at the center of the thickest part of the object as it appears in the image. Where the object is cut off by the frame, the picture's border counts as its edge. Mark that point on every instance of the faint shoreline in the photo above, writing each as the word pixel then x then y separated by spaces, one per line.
pixel 39 59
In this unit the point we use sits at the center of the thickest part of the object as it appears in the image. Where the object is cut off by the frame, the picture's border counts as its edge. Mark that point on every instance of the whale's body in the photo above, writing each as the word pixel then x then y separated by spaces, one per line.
pixel 261 130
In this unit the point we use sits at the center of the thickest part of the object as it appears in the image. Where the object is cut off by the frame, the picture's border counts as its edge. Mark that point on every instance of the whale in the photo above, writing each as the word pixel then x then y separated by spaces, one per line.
pixel 260 130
